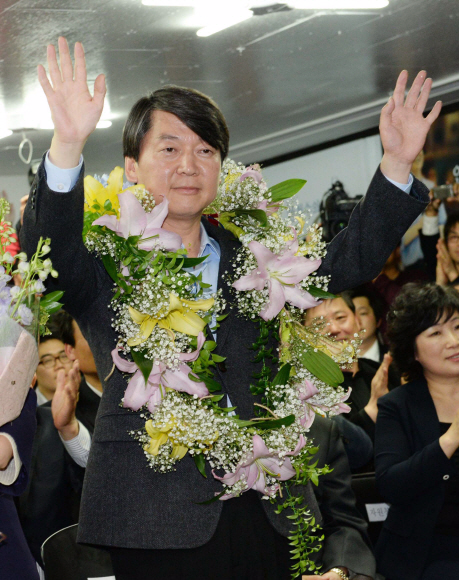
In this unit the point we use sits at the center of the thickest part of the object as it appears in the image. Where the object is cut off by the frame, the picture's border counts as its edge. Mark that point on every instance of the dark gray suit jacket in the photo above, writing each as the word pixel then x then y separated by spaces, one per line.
pixel 125 503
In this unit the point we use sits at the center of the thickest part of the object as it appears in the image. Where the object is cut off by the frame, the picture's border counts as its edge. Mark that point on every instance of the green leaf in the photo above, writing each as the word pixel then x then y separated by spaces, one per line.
pixel 323 367
pixel 110 266
pixel 217 358
pixel 200 462
pixel 51 297
pixel 286 189
pixel 52 307
pixel 209 501
pixel 108 205
pixel 209 345
pixel 257 214
pixel 268 424
pixel 145 365
pixel 211 384
pixel 190 262
pixel 319 293
pixel 217 398
pixel 282 376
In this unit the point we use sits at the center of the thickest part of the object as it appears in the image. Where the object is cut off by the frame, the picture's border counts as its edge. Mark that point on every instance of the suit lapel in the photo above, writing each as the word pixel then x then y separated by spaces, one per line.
pixel 423 412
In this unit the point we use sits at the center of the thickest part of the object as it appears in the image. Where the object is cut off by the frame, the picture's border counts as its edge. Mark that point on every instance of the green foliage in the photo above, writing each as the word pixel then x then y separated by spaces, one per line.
pixel 322 366
pixel 319 293
pixel 145 364
pixel 286 189
pixel 200 462
pixel 257 214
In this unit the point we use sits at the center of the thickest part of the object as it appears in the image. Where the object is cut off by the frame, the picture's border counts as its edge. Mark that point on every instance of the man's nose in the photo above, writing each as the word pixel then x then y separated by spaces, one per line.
pixel 332 328
pixel 188 165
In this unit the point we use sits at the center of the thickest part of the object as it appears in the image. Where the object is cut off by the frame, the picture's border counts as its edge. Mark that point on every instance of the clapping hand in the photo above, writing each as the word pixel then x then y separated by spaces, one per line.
pixel 379 387
pixel 64 402
pixel 402 126
pixel 75 112
pixel 446 269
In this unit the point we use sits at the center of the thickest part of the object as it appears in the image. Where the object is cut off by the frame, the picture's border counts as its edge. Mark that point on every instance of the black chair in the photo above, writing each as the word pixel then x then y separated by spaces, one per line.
pixel 64 559
pixel 370 504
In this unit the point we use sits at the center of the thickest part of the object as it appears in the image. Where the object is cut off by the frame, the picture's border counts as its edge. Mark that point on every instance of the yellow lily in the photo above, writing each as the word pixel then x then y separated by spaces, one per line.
pixel 180 316
pixel 96 193
pixel 160 436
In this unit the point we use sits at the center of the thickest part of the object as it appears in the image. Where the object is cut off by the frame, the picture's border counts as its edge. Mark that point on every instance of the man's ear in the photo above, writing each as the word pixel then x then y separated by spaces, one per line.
pixel 130 169
pixel 70 351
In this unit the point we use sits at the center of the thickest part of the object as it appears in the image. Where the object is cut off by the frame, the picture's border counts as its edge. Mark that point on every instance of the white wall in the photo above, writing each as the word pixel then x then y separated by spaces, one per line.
pixel 352 163
pixel 13 187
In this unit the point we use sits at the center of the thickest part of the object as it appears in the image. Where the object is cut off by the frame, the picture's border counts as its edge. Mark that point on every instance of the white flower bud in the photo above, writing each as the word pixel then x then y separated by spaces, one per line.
pixel 22 256
pixel 45 250
pixel 47 264
pixel 8 258
pixel 54 273
pixel 23 267
pixel 42 275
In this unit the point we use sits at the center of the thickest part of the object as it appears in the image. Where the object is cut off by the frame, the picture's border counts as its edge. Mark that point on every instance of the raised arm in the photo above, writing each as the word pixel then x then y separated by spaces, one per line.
pixel 358 253
pixel 59 214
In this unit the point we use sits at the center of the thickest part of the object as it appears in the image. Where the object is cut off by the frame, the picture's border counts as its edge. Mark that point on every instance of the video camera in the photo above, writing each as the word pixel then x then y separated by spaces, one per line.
pixel 335 210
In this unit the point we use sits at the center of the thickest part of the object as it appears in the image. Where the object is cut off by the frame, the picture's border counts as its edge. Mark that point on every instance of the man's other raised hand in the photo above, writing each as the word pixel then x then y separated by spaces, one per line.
pixel 403 127
pixel 75 112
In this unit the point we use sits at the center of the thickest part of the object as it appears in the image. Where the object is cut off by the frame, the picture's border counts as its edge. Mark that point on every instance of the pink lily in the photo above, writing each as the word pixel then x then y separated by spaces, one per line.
pixel 268 209
pixel 257 465
pixel 340 407
pixel 306 390
pixel 281 274
pixel 252 172
pixel 135 221
pixel 138 393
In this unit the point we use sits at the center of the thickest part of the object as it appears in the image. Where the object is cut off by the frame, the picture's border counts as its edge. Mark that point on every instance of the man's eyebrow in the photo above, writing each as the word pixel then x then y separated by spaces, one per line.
pixel 165 137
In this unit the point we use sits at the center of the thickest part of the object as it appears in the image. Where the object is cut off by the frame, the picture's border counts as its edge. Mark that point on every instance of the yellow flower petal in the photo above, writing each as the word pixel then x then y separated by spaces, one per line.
pixel 178 451
pixel 189 323
pixel 137 317
pixel 115 181
pixel 205 304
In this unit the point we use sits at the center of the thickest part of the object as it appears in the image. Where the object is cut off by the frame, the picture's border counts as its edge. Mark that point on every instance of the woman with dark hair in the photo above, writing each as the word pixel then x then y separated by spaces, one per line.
pixel 417 438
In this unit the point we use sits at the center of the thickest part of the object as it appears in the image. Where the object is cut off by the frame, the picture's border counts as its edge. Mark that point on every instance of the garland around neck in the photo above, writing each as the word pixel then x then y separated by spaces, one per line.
pixel 163 309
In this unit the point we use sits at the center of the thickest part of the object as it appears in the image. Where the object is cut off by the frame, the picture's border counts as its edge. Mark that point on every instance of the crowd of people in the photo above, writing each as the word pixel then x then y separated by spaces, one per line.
pixel 403 421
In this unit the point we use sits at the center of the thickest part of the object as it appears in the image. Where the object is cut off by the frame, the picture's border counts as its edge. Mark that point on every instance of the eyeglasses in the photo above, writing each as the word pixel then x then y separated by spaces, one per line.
pixel 49 360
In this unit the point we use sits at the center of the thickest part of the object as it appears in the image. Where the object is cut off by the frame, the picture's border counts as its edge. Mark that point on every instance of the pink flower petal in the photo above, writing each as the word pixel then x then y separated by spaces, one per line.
pixel 123 365
pixel 259 448
pixel 290 269
pixel 191 356
pixel 256 280
pixel 137 393
pixel 276 300
pixel 133 218
pixel 109 221
pixel 299 298
pixel 253 173
pixel 162 238
pixel 179 381
pixel 299 446
pixel 262 255
pixel 155 399
pixel 306 390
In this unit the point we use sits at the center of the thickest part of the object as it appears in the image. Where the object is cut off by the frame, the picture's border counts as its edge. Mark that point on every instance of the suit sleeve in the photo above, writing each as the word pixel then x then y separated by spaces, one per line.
pixel 358 253
pixel 429 250
pixel 346 542
pixel 59 216
pixel 402 475
pixel 22 430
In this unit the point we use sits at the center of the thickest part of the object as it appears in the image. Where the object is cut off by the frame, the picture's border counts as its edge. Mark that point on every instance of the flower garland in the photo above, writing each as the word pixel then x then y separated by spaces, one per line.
pixel 162 312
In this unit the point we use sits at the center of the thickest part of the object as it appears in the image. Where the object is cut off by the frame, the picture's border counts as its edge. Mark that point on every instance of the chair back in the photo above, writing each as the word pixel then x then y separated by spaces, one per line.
pixel 370 504
pixel 64 558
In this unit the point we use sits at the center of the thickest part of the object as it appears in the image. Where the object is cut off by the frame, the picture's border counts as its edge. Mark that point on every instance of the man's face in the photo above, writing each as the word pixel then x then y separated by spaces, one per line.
pixel 176 163
pixel 81 351
pixel 365 316
pixel 50 363
pixel 341 322
pixel 452 243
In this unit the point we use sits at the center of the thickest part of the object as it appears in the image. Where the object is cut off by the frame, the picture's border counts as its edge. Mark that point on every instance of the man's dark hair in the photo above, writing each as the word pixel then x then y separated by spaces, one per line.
pixel 346 296
pixel 419 306
pixel 451 221
pixel 64 324
pixel 374 299
pixel 196 110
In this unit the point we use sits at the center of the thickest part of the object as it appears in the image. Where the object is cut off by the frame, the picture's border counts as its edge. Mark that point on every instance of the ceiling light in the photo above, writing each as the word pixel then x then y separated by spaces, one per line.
pixel 338 4
pixel 225 21
pixel 103 124
pixel 5 133
pixel 168 2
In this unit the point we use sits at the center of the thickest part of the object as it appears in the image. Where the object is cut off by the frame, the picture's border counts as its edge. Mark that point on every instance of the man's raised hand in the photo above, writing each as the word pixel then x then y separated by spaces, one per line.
pixel 64 402
pixel 75 112
pixel 403 127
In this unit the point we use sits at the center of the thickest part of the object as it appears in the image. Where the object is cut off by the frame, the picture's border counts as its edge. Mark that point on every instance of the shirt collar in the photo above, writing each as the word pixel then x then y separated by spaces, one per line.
pixel 208 246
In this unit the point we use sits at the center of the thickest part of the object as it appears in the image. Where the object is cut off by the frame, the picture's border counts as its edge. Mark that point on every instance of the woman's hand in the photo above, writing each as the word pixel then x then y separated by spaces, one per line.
pixel 446 263
pixel 449 442
pixel 379 387
pixel 403 128
pixel 74 111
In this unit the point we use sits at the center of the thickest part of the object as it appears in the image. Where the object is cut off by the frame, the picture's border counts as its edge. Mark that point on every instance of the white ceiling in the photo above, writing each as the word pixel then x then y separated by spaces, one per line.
pixel 285 81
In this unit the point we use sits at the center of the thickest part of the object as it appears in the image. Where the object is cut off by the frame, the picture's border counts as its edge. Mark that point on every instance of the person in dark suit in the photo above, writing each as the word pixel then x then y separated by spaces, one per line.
pixel 174 143
pixel 16 438
pixel 417 438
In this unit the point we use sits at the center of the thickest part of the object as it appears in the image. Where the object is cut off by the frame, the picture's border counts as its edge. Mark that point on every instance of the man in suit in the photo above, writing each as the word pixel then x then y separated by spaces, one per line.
pixel 174 143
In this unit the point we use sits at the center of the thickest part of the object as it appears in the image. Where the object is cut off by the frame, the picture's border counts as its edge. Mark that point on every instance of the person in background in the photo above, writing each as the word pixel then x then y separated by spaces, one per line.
pixel 52 359
pixel 417 438
pixel 77 348
pixel 369 310
pixel 16 437
pixel 367 379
